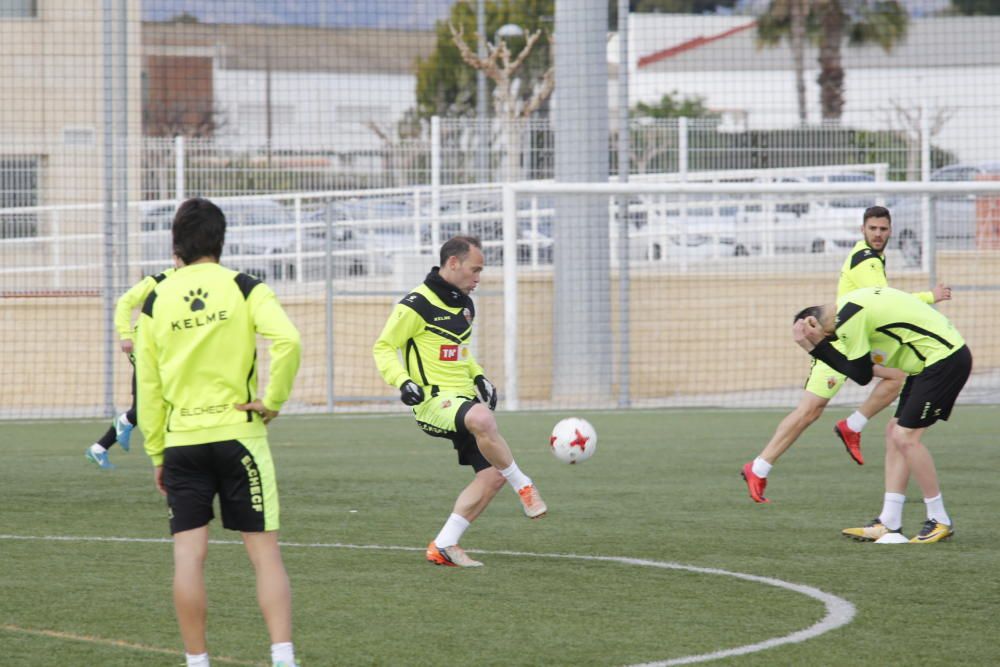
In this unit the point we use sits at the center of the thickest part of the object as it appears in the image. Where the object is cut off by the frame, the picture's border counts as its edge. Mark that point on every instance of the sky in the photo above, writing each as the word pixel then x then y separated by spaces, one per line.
pixel 400 14
pixel 403 14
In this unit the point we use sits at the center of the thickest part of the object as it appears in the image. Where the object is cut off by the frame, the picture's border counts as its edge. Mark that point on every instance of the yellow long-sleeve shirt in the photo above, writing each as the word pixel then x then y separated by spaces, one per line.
pixel 431 326
pixel 132 299
pixel 196 357
pixel 866 268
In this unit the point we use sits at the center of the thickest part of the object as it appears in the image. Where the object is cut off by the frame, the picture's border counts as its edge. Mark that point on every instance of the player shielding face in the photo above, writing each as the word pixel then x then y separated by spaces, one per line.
pixel 204 422
pixel 888 333
pixel 448 390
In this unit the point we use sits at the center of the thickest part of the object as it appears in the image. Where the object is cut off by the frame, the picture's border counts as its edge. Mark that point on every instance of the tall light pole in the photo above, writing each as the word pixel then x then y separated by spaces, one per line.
pixel 481 110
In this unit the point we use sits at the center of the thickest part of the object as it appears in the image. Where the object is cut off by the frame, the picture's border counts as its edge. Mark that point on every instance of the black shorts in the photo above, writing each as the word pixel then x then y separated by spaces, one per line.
pixel 241 472
pixel 930 395
pixel 443 416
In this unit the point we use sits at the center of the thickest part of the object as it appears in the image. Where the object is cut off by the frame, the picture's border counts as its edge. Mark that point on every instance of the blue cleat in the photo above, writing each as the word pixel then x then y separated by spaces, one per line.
pixel 100 460
pixel 123 430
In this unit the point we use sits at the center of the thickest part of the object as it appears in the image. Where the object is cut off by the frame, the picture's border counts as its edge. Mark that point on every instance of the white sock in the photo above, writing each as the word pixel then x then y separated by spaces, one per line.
pixel 283 652
pixel 97 449
pixel 197 660
pixel 761 468
pixel 452 531
pixel 515 477
pixel 935 509
pixel 892 511
pixel 856 422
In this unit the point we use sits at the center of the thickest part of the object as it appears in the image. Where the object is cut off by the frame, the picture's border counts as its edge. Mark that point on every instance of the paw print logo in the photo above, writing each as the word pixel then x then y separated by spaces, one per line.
pixel 196 299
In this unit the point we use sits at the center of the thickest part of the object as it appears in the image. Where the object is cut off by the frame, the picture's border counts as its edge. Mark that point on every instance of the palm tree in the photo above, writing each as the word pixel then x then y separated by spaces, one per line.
pixel 789 16
pixel 829 23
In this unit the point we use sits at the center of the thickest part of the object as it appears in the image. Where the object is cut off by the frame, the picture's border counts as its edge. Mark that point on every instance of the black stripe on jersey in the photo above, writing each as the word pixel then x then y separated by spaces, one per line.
pixel 887 330
pixel 253 366
pixel 412 345
pixel 849 310
pixel 147 307
pixel 246 283
pixel 442 319
pixel 864 255
pixel 160 277
pixel 446 334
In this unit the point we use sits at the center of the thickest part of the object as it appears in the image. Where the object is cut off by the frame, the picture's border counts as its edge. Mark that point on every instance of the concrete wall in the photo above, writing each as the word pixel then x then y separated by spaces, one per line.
pixel 691 334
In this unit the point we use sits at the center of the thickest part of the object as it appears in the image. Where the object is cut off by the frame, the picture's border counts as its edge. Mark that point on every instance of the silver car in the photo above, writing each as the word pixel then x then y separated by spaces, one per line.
pixel 953 216
pixel 260 238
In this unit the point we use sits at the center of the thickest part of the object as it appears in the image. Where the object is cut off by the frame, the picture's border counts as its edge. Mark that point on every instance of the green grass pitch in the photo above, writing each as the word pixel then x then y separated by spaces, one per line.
pixel 663 486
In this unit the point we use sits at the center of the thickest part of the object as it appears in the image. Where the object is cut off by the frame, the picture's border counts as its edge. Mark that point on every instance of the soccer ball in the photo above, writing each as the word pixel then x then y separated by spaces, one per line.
pixel 573 440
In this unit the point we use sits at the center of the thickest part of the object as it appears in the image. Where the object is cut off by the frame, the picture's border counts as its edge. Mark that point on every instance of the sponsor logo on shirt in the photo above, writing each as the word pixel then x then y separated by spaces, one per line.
pixel 454 353
pixel 879 357
pixel 196 301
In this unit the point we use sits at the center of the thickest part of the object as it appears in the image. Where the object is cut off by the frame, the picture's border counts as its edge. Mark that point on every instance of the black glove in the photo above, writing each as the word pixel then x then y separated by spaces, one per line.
pixel 411 393
pixel 487 392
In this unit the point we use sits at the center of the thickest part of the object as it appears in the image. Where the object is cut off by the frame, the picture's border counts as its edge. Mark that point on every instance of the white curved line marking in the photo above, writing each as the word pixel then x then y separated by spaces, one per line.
pixel 839 612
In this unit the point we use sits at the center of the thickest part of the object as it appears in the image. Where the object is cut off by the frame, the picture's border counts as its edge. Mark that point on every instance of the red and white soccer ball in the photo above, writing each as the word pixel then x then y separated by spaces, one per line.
pixel 573 440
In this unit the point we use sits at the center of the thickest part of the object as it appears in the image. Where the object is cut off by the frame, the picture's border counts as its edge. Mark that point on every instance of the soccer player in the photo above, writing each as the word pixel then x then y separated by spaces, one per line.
pixel 121 427
pixel 205 424
pixel 880 330
pixel 864 267
pixel 440 379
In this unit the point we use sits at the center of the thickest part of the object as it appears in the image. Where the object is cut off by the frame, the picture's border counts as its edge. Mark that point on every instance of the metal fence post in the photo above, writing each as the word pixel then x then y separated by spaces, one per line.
pixel 435 182
pixel 624 164
pixel 179 166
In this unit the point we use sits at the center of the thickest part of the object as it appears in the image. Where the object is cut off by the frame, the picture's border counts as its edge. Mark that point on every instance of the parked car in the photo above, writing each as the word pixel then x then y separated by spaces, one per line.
pixel 260 238
pixel 821 224
pixel 369 234
pixel 953 216
pixel 664 231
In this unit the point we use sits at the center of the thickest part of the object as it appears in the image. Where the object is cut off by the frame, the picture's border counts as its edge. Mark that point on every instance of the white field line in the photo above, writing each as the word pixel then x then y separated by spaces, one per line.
pixel 839 612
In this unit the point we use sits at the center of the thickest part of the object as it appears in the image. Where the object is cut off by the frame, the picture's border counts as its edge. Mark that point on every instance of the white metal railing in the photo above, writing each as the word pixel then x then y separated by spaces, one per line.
pixel 514 192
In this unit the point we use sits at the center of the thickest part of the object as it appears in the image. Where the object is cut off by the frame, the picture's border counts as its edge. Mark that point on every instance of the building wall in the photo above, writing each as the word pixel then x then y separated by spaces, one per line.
pixel 51 87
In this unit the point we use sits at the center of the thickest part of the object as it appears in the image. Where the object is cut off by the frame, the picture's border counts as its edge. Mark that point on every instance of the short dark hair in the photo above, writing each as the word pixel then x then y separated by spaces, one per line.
pixel 876 212
pixel 811 311
pixel 199 230
pixel 458 246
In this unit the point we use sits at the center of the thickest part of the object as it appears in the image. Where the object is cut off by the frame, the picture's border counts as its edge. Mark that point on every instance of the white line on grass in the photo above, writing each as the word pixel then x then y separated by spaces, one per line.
pixel 839 612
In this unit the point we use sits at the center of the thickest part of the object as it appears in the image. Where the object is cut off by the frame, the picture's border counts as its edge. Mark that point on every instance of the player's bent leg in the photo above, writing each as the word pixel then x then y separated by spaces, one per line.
pixel 477 495
pixel 190 600
pixel 479 420
pixel 274 592
pixel 808 410
pixel 483 425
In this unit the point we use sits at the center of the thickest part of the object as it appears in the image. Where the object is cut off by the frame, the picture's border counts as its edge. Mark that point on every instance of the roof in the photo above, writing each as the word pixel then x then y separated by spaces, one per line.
pixel 712 43
pixel 292 48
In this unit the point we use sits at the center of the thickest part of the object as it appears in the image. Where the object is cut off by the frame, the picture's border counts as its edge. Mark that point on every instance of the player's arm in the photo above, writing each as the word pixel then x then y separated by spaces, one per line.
pixel 940 293
pixel 855 361
pixel 403 324
pixel 151 407
pixel 271 322
pixel 129 301
pixel 859 369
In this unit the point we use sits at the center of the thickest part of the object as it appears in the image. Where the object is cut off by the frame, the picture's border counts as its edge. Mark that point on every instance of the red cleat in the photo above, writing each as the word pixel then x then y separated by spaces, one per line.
pixel 851 440
pixel 755 484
